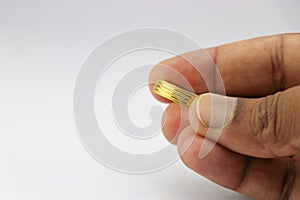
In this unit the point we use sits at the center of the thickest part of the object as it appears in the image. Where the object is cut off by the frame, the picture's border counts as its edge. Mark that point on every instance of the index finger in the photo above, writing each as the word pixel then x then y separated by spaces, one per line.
pixel 255 67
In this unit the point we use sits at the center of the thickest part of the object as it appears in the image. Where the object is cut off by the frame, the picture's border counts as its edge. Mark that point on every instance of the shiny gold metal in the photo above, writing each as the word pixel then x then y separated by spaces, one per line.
pixel 173 92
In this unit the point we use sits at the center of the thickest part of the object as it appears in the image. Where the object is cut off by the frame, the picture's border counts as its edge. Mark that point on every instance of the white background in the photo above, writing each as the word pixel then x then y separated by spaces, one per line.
pixel 42 47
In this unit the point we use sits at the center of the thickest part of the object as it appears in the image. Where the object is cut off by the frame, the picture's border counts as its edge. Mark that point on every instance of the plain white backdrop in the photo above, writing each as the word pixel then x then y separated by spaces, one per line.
pixel 42 47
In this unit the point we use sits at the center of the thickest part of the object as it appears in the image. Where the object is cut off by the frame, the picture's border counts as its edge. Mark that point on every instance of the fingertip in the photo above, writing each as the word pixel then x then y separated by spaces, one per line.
pixel 185 140
pixel 156 96
pixel 175 70
pixel 155 75
pixel 174 120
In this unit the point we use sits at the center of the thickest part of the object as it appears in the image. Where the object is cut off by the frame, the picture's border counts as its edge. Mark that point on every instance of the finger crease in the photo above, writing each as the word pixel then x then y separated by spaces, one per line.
pixel 244 173
pixel 277 64
pixel 217 67
pixel 288 180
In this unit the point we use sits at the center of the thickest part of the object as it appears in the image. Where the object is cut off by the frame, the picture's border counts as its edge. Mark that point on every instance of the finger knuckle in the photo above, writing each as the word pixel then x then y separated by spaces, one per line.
pixel 266 120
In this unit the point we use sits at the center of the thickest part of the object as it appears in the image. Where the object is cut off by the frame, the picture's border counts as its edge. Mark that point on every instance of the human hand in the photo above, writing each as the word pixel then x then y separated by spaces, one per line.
pixel 257 153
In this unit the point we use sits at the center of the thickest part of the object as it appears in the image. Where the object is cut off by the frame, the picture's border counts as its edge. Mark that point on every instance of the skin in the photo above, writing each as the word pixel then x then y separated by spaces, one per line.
pixel 257 154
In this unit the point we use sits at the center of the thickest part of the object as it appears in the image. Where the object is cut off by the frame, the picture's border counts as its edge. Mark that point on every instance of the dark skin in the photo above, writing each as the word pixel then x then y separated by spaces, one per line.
pixel 257 154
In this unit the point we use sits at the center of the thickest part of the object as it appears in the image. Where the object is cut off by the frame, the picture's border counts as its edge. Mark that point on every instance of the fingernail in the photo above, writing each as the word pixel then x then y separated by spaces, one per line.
pixel 214 110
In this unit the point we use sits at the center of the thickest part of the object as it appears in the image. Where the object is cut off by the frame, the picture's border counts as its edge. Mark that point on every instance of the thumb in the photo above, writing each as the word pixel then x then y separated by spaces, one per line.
pixel 262 127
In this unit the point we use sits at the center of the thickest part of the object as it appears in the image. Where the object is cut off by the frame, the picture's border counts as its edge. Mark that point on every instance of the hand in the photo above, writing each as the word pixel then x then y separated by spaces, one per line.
pixel 257 153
